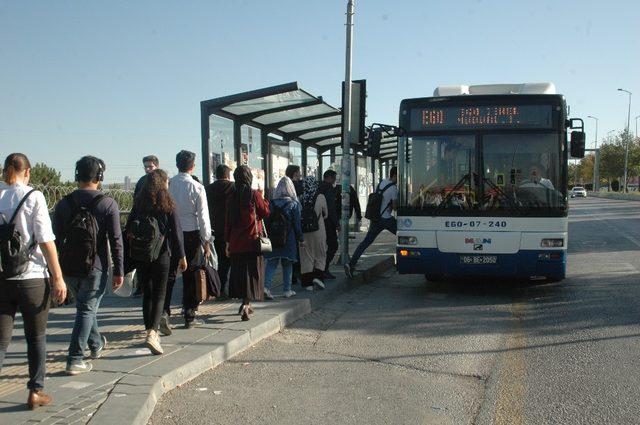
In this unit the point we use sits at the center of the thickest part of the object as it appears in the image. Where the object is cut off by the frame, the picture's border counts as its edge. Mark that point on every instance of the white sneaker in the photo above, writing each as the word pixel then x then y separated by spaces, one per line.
pixel 317 282
pixel 153 342
pixel 310 288
pixel 267 295
pixel 289 294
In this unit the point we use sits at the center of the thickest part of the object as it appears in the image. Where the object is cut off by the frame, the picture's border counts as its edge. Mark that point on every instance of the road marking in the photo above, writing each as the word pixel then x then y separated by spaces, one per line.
pixel 76 385
pixel 510 398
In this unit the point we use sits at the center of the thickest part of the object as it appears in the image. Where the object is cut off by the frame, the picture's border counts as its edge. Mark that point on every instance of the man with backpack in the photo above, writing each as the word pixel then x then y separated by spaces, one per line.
pixel 87 227
pixel 380 206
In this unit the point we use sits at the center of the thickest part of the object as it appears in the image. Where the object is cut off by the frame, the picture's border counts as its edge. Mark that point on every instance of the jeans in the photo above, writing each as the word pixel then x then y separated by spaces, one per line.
pixel 31 296
pixel 192 244
pixel 152 277
pixel 224 264
pixel 287 271
pixel 375 228
pixel 88 292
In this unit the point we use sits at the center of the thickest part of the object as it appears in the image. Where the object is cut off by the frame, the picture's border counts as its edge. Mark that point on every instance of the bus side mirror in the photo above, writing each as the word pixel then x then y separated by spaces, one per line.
pixel 577 144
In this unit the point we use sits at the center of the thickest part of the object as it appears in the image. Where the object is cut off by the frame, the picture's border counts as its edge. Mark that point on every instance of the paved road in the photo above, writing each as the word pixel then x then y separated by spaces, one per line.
pixel 402 351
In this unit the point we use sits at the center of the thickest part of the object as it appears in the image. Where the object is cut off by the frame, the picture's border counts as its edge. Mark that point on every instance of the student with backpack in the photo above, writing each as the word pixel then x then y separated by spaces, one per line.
pixel 313 255
pixel 27 250
pixel 379 212
pixel 154 235
pixel 285 232
pixel 87 227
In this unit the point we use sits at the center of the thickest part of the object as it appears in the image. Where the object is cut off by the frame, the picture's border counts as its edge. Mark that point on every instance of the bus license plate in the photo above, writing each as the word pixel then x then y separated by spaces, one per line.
pixel 478 259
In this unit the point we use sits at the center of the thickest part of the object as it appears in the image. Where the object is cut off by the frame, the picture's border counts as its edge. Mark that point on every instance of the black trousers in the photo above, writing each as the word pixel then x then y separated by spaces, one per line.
pixel 152 278
pixel 192 244
pixel 31 296
pixel 332 241
pixel 224 264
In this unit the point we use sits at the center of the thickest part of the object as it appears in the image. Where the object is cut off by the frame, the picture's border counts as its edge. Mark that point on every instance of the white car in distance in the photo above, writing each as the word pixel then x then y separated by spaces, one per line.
pixel 578 192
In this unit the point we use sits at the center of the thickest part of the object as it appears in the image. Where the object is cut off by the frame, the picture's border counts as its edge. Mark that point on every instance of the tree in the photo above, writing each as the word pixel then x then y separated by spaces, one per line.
pixel 44 175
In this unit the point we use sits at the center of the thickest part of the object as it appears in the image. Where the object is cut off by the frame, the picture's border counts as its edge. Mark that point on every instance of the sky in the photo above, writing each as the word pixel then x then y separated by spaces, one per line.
pixel 123 79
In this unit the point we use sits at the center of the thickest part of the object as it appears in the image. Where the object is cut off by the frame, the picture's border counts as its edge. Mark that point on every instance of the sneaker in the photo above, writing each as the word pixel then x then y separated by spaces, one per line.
pixel 309 288
pixel 348 270
pixel 289 293
pixel 164 325
pixel 318 283
pixel 193 323
pixel 268 295
pixel 96 354
pixel 329 276
pixel 76 368
pixel 153 342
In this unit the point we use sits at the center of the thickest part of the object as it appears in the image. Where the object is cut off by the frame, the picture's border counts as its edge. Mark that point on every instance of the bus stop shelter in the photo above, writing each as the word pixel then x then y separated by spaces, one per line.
pixel 270 128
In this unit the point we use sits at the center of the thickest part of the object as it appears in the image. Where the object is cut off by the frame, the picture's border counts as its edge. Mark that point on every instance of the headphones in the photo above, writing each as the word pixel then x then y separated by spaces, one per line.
pixel 99 175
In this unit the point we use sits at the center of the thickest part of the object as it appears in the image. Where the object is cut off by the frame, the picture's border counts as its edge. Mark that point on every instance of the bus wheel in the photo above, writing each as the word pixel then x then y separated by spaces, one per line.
pixel 433 277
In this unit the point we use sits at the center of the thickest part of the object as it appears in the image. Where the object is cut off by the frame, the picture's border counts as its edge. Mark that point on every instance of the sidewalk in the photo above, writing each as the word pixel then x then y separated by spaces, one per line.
pixel 126 383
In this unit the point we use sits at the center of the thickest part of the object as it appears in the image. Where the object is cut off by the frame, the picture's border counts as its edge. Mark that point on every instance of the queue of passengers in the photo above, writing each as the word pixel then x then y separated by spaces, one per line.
pixel 175 224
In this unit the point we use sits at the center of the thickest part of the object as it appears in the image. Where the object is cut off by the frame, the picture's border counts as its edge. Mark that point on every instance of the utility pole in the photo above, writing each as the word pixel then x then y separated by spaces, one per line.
pixel 596 177
pixel 626 142
pixel 346 139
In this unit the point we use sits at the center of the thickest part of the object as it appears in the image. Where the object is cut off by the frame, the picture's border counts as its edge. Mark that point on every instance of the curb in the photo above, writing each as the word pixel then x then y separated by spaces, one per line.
pixel 133 398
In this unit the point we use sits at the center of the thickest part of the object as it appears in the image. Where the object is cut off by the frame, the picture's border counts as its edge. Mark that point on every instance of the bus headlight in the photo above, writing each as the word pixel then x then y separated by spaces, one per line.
pixel 407 240
pixel 552 243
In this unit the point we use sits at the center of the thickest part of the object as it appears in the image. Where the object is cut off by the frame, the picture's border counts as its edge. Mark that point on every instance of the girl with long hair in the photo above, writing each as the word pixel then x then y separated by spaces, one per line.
pixel 154 202
pixel 25 282
pixel 246 208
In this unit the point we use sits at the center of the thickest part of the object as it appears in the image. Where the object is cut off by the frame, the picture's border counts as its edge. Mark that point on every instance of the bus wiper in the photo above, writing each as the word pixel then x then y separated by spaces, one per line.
pixel 512 202
pixel 465 178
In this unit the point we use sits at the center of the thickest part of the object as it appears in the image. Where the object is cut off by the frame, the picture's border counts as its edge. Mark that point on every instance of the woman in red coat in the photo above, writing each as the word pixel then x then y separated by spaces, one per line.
pixel 246 208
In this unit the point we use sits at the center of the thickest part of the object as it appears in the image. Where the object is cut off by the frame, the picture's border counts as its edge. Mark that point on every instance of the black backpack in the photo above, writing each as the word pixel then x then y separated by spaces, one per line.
pixel 278 226
pixel 145 239
pixel 79 245
pixel 310 221
pixel 374 204
pixel 14 254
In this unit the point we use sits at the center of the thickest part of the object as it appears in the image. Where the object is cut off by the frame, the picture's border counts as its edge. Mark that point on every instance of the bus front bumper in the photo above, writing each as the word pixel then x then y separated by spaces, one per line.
pixel 523 264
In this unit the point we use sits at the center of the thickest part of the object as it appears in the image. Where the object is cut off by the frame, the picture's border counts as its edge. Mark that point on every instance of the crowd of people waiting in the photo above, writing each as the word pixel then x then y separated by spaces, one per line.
pixel 175 226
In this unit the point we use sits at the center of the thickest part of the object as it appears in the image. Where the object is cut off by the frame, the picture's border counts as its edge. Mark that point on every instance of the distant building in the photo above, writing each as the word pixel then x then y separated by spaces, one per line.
pixel 127 183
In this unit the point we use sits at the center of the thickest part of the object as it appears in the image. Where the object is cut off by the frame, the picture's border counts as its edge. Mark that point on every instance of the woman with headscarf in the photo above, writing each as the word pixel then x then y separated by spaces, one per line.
pixel 246 208
pixel 313 255
pixel 285 217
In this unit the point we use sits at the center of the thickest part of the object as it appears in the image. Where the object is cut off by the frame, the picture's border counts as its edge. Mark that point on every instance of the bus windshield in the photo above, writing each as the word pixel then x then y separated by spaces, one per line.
pixel 505 174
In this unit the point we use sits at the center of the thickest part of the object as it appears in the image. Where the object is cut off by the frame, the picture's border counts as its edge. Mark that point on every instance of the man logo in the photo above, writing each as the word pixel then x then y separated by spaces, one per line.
pixel 477 247
pixel 474 241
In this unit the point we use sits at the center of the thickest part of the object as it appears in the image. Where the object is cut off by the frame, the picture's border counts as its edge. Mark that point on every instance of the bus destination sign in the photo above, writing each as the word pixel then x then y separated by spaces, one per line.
pixel 480 117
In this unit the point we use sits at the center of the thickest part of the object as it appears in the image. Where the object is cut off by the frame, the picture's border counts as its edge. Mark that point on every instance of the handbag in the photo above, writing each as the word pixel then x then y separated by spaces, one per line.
pixel 202 294
pixel 263 241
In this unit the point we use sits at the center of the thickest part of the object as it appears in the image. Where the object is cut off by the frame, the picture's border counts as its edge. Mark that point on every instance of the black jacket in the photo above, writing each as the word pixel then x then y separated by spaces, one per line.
pixel 330 193
pixel 217 194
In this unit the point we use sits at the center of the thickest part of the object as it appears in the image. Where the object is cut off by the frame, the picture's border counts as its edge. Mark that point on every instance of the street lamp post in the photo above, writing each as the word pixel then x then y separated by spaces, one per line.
pixel 596 177
pixel 626 143
pixel 346 138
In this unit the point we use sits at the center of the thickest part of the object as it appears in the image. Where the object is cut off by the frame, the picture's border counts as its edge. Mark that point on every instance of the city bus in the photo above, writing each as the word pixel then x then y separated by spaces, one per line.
pixel 483 182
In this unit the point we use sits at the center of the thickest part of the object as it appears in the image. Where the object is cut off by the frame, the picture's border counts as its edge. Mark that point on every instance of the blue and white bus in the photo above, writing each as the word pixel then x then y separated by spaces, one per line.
pixel 483 182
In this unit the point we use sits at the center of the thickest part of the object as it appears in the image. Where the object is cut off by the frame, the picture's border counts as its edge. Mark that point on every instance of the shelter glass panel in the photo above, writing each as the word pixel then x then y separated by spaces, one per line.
pixel 221 149
pixel 251 154
pixel 312 162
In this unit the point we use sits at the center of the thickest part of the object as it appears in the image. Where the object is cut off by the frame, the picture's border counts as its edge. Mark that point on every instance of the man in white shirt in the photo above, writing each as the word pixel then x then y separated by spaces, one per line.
pixel 387 221
pixel 193 213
